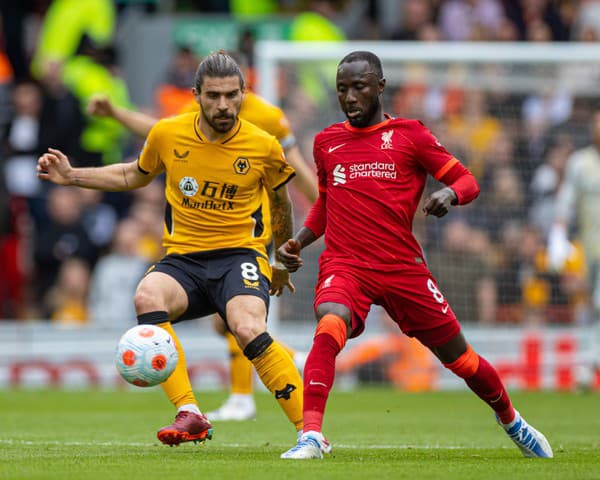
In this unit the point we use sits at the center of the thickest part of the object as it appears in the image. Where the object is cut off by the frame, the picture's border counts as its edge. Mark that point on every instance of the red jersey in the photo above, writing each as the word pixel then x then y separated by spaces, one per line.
pixel 370 182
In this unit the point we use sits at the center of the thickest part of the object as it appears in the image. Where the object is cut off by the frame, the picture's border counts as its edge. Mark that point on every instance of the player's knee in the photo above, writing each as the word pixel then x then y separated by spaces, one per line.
pixel 466 365
pixel 145 300
pixel 337 309
pixel 258 346
pixel 335 327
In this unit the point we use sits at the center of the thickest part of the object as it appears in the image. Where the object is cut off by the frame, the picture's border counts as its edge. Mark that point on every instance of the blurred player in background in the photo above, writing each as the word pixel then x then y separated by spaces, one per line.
pixel 240 404
pixel 217 167
pixel 372 171
pixel 577 203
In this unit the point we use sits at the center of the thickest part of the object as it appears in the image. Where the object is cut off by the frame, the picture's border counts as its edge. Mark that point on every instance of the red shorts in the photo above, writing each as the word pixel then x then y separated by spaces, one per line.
pixel 410 297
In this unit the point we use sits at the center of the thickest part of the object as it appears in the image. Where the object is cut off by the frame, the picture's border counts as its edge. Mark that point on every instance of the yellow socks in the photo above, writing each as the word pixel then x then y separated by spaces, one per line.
pixel 240 368
pixel 278 373
pixel 178 387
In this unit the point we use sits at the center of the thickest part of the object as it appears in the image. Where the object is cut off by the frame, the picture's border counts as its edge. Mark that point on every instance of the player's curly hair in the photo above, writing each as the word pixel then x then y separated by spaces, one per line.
pixel 369 57
pixel 217 64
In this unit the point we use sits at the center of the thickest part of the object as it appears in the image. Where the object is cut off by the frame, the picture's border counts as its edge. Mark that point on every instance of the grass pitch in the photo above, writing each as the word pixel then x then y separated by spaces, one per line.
pixel 376 433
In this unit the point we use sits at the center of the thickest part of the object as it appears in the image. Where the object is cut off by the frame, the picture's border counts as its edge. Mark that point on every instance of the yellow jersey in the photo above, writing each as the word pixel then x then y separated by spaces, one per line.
pixel 261 113
pixel 214 190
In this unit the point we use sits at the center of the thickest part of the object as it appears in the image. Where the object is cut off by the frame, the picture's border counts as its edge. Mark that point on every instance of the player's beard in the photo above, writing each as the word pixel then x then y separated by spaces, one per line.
pixel 364 119
pixel 218 126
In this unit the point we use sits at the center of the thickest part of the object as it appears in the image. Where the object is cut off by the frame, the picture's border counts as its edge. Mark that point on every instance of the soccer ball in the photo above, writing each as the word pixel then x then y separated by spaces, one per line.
pixel 146 355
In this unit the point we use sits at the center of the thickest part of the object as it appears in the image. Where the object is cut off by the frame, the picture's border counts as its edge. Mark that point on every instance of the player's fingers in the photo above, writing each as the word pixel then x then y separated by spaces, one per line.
pixel 427 207
pixel 294 245
pixel 275 292
pixel 57 153
pixel 44 161
pixel 291 286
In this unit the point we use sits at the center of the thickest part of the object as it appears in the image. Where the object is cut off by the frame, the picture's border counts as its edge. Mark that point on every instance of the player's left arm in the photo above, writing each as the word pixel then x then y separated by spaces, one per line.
pixel 461 187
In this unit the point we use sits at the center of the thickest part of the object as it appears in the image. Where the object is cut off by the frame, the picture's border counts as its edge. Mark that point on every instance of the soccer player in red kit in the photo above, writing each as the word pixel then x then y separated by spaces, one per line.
pixel 372 171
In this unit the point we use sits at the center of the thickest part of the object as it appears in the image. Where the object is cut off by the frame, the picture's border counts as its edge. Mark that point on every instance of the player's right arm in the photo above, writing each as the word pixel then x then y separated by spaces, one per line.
pixel 136 122
pixel 55 167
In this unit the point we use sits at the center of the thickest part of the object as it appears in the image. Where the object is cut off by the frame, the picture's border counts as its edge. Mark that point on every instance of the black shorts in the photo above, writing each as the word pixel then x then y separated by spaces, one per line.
pixel 211 279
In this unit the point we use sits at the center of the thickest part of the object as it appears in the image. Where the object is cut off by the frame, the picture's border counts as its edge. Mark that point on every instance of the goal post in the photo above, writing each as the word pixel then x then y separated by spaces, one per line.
pixel 512 112
pixel 270 54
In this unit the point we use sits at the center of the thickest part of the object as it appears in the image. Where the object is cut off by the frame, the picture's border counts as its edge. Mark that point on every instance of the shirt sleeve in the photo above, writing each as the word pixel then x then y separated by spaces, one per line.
pixel 277 172
pixel 316 218
pixel 462 181
pixel 283 131
pixel 149 160
pixel 430 153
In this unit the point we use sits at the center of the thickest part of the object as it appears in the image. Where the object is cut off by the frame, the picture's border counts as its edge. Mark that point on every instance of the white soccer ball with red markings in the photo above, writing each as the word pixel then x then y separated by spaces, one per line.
pixel 146 355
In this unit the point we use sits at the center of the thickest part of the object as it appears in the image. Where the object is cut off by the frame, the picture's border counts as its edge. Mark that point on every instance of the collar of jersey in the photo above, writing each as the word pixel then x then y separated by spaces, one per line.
pixel 222 140
pixel 387 120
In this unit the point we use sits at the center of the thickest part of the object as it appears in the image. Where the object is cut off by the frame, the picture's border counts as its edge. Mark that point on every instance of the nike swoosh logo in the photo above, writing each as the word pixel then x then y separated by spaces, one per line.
pixel 312 382
pixel 333 149
pixel 445 309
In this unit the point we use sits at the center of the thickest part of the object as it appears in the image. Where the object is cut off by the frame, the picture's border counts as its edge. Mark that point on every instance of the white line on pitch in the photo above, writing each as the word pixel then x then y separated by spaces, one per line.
pixel 9 441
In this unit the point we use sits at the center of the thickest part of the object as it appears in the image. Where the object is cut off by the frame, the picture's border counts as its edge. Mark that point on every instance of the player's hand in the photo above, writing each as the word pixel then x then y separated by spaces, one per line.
pixel 55 167
pixel 289 255
pixel 280 279
pixel 559 248
pixel 100 106
pixel 438 203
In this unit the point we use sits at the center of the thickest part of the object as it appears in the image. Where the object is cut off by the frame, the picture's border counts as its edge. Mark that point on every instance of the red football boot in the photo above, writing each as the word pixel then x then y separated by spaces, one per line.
pixel 187 427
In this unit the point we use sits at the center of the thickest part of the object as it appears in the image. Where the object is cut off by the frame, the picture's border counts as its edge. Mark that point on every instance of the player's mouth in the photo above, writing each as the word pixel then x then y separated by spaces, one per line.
pixel 351 114
pixel 223 119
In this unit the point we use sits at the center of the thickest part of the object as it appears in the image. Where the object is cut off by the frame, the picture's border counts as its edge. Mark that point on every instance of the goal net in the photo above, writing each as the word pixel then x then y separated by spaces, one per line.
pixel 512 113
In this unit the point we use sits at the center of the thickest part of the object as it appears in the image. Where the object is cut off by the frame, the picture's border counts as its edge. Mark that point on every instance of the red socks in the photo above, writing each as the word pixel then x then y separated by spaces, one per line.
pixel 487 385
pixel 319 375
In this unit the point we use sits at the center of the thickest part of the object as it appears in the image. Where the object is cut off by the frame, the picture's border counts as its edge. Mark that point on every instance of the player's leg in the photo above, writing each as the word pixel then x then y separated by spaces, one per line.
pixel 159 299
pixel 417 305
pixel 319 376
pixel 246 318
pixel 240 403
pixel 483 379
pixel 341 307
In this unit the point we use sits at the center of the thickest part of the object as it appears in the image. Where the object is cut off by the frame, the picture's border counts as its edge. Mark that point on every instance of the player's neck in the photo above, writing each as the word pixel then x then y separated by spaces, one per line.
pixel 377 118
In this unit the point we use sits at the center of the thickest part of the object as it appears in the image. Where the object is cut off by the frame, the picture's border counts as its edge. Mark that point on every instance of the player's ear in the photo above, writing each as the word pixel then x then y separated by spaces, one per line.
pixel 381 85
pixel 196 94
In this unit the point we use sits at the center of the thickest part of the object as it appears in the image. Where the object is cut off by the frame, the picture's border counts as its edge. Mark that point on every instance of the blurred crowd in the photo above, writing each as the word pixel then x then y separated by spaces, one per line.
pixel 74 256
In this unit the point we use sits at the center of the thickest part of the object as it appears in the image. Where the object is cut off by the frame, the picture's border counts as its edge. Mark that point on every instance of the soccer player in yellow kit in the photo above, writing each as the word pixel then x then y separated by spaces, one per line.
pixel 240 404
pixel 217 168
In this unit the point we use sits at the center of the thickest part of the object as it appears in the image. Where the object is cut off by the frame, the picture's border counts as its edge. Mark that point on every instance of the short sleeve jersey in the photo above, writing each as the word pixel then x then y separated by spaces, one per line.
pixel 373 179
pixel 214 190
pixel 263 114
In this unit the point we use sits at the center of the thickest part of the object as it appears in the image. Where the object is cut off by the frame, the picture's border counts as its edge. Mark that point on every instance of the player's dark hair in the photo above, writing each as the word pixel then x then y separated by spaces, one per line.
pixel 369 57
pixel 217 65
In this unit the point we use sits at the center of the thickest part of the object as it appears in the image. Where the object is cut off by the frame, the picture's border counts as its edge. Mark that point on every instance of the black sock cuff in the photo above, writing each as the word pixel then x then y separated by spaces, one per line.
pixel 257 346
pixel 153 318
